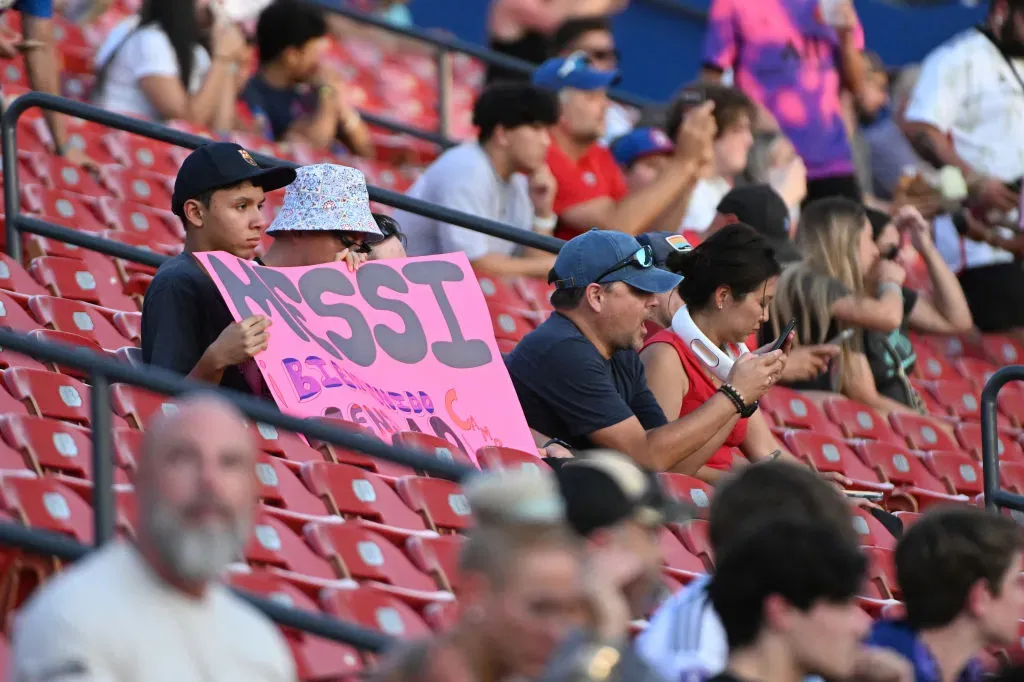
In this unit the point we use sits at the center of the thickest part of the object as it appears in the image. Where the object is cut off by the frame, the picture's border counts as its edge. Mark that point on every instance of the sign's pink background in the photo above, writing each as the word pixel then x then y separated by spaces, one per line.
pixel 479 404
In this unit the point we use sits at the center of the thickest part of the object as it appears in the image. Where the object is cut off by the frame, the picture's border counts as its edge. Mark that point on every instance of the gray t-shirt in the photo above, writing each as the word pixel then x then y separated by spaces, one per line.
pixel 463 179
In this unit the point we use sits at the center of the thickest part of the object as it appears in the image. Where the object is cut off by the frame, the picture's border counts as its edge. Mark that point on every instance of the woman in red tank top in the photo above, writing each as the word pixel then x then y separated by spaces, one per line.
pixel 728 284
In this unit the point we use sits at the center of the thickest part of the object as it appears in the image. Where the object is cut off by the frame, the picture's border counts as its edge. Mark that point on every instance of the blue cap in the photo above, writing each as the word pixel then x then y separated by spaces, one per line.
pixel 663 244
pixel 573 71
pixel 586 257
pixel 639 143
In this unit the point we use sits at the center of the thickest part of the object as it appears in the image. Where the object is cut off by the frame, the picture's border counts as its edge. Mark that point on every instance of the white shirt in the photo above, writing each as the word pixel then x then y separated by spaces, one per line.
pixel 703 205
pixel 968 90
pixel 136 55
pixel 109 618
pixel 685 638
pixel 463 179
pixel 617 122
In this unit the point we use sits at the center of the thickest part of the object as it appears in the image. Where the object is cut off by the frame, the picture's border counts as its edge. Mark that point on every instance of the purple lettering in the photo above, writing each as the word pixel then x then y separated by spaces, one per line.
pixel 306 387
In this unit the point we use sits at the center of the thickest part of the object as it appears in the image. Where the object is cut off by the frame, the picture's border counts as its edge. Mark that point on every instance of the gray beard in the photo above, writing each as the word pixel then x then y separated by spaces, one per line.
pixel 194 554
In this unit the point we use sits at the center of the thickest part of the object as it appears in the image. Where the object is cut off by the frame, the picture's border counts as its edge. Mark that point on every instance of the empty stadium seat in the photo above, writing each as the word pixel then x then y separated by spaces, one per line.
pixel 441 503
pixel 438 557
pixel 791 409
pixel 432 445
pixel 335 453
pixel 353 492
pixel 959 397
pixel 871 531
pixel 881 573
pixel 857 420
pixel 14 278
pixel 509 459
pixel 157 227
pixel 375 610
pixel 68 339
pixel 137 406
pixel 680 563
pixel 969 438
pixel 287 446
pixel 139 186
pixel 958 471
pixel 499 292
pixel 932 366
pixel 48 394
pixel 827 454
pixel 508 323
pixel 358 553
pixel 912 478
pixel 280 550
pixel 975 370
pixel 283 495
pixel 50 445
pixel 60 207
pixel 921 433
pixel 76 317
pixel 92 279
pixel 688 489
pixel 694 535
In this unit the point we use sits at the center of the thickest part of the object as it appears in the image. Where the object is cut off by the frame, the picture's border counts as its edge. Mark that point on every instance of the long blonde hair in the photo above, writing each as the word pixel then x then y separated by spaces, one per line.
pixel 828 238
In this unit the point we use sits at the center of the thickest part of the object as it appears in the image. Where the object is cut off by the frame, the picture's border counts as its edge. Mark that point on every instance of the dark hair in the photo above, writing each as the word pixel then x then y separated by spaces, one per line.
pixel 801 560
pixel 945 553
pixel 389 227
pixel 572 29
pixel 285 24
pixel 736 256
pixel 511 105
pixel 177 19
pixel 730 105
pixel 775 490
pixel 878 220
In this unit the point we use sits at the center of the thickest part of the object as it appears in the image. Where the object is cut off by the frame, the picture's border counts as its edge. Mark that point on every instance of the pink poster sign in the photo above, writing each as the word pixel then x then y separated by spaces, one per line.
pixel 399 345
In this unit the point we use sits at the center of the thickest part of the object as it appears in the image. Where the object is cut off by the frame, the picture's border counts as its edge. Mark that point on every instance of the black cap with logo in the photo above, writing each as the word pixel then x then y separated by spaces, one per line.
pixel 223 164
pixel 763 209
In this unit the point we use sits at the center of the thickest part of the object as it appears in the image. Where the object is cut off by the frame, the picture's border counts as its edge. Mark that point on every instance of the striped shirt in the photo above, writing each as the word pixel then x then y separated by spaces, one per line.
pixel 685 640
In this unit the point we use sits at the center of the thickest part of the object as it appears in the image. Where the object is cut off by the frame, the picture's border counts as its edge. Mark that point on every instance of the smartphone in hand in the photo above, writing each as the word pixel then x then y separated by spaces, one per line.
pixel 778 343
pixel 841 338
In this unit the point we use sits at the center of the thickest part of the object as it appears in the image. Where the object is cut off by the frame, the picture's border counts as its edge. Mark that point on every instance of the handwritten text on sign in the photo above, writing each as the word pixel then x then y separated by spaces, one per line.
pixel 402 345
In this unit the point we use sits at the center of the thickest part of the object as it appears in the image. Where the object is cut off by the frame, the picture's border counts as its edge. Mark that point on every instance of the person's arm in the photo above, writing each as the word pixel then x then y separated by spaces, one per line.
pixel 352 130
pixel 859 384
pixel 852 65
pixel 760 443
pixel 636 212
pixel 882 313
pixel 319 129
pixel 946 310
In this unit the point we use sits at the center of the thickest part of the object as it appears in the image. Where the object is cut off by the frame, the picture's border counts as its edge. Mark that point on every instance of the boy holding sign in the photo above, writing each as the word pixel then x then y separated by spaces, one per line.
pixel 186 327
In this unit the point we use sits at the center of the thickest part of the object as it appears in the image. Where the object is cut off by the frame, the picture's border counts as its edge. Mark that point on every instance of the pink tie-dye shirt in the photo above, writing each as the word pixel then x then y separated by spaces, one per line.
pixel 786 58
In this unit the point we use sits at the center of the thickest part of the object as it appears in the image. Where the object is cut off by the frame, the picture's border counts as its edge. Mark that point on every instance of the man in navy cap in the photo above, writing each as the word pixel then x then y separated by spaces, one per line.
pixel 579 378
pixel 592 191
pixel 186 326
pixel 645 155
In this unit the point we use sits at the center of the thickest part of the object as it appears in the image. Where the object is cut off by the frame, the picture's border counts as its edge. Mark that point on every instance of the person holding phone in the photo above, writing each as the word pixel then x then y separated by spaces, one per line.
pixel 727 287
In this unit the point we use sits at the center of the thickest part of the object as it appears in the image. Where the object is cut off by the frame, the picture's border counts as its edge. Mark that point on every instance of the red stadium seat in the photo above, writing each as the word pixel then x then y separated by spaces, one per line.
pixel 931 366
pixel 975 370
pixel 1011 476
pixel 688 489
pixel 48 394
pixel 882 572
pixel 283 495
pixel 57 206
pixel 68 339
pixel 145 154
pixel 129 325
pixel 1002 350
pixel 127 447
pixel 827 454
pixel 958 471
pixel 360 554
pixel 509 459
pixel 908 473
pixel 315 658
pixel 353 492
pixel 921 433
pixel 63 175
pixel 334 453
pixel 50 445
pixel 92 279
pixel 287 446
pixel 139 186
pixel 857 420
pixel 680 563
pixel 694 535
pixel 276 547
pixel 441 503
pixel 501 293
pixel 908 519
pixel 437 557
pixel 137 405
pixel 871 531
pixel 969 438
pixel 13 315
pixel 156 226
pixel 375 610
pixel 791 409
pixel 14 278
pixel 508 323
pixel 76 317
pixel 959 398
pixel 432 445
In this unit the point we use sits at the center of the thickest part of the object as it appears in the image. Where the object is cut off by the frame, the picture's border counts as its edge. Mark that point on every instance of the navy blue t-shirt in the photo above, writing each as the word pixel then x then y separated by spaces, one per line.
pixel 279 108
pixel 568 390
pixel 901 638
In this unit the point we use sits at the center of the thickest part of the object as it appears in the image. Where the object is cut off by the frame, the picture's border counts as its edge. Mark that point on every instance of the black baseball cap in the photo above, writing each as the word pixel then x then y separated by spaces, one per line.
pixel 763 209
pixel 663 244
pixel 223 164
pixel 603 488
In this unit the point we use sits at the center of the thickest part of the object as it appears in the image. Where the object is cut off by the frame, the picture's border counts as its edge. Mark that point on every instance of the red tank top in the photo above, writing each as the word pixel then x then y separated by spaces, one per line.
pixel 701 390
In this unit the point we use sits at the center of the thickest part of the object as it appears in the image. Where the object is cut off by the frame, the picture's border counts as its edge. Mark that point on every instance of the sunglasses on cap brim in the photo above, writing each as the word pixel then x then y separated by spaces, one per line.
pixel 642 258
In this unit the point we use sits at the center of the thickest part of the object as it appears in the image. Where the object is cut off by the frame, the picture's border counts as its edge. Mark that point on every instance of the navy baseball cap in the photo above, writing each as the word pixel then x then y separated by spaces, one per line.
pixel 605 256
pixel 664 244
pixel 223 164
pixel 640 143
pixel 573 71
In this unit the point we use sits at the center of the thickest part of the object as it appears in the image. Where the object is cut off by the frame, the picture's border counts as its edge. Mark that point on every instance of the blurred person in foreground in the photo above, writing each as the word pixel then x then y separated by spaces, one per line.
pixel 734 114
pixel 785 591
pixel 959 571
pixel 502 176
pixel 794 59
pixel 965 112
pixel 298 98
pixel 325 218
pixel 593 36
pixel 522 588
pixel 579 377
pixel 186 325
pixel 154 609
pixel 592 190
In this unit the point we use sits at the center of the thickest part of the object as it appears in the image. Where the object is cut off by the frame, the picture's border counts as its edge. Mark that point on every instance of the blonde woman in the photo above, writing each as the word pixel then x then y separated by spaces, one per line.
pixel 841 285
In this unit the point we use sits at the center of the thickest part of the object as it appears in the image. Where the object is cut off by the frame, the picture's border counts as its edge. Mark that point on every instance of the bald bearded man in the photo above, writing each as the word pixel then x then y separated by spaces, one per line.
pixel 154 610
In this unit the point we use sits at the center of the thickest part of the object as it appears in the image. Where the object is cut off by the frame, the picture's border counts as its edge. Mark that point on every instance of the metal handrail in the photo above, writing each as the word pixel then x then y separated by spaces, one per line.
pixel 162 133
pixel 995 496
